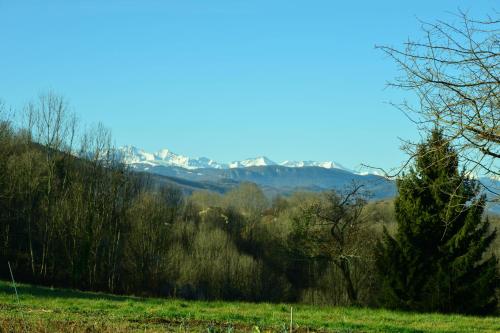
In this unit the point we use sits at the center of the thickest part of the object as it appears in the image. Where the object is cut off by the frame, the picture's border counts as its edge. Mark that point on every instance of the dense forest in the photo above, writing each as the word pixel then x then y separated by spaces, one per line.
pixel 72 215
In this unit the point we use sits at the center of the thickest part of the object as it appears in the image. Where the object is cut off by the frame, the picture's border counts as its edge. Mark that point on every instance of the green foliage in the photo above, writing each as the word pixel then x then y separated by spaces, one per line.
pixel 436 260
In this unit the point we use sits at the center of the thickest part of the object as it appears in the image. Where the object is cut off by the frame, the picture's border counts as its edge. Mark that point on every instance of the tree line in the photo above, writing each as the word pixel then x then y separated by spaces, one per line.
pixel 72 215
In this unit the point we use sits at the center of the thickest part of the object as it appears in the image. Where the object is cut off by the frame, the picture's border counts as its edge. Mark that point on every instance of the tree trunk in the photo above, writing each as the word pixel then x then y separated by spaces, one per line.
pixel 352 294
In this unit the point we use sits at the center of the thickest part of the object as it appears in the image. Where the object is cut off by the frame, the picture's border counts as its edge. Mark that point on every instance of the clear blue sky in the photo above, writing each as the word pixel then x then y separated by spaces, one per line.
pixel 223 79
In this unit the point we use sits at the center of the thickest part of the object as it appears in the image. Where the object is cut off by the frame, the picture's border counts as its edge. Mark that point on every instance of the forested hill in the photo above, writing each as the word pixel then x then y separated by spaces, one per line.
pixel 273 179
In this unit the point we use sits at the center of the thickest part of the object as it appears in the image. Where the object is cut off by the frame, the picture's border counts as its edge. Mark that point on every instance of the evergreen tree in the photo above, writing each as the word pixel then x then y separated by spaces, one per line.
pixel 437 259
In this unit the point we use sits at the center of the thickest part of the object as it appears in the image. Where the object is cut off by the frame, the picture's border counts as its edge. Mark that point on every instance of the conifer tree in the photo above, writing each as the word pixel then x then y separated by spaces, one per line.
pixel 437 259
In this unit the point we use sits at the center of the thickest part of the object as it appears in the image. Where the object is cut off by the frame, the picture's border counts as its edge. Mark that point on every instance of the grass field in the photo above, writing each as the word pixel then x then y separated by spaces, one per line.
pixel 56 310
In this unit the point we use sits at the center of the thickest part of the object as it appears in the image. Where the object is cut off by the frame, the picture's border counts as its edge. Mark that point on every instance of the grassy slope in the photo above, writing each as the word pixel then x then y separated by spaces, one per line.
pixel 47 310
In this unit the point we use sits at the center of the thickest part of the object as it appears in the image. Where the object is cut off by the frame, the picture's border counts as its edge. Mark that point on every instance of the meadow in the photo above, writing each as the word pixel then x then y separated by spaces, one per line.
pixel 41 309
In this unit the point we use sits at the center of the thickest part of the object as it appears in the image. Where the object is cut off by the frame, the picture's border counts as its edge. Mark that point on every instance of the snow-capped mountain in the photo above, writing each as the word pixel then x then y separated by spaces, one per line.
pixel 301 164
pixel 134 156
pixel 258 161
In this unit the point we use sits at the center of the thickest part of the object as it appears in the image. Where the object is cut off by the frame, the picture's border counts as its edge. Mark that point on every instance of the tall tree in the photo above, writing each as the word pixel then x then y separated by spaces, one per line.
pixel 437 259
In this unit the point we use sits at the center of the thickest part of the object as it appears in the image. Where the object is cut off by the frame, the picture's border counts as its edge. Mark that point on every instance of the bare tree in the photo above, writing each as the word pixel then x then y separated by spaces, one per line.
pixel 455 72
pixel 332 229
pixel 51 124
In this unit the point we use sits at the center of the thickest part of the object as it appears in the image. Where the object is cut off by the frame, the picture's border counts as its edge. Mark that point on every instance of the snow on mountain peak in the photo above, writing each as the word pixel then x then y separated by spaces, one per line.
pixel 132 155
pixel 251 162
pixel 301 164
pixel 163 154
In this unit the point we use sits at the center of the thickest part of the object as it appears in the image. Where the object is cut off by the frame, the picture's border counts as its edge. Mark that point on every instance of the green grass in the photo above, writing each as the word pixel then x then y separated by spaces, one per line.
pixel 58 310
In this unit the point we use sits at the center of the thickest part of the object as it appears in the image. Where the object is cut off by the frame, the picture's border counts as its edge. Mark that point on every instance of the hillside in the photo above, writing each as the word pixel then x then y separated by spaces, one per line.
pixel 274 179
pixel 57 310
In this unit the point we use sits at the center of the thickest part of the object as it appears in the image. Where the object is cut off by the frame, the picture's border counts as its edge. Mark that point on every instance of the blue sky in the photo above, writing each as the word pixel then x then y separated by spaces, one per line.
pixel 231 79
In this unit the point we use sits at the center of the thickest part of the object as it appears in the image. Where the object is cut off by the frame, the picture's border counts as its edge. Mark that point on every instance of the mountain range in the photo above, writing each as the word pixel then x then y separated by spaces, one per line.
pixel 191 174
pixel 132 156
pixel 274 178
